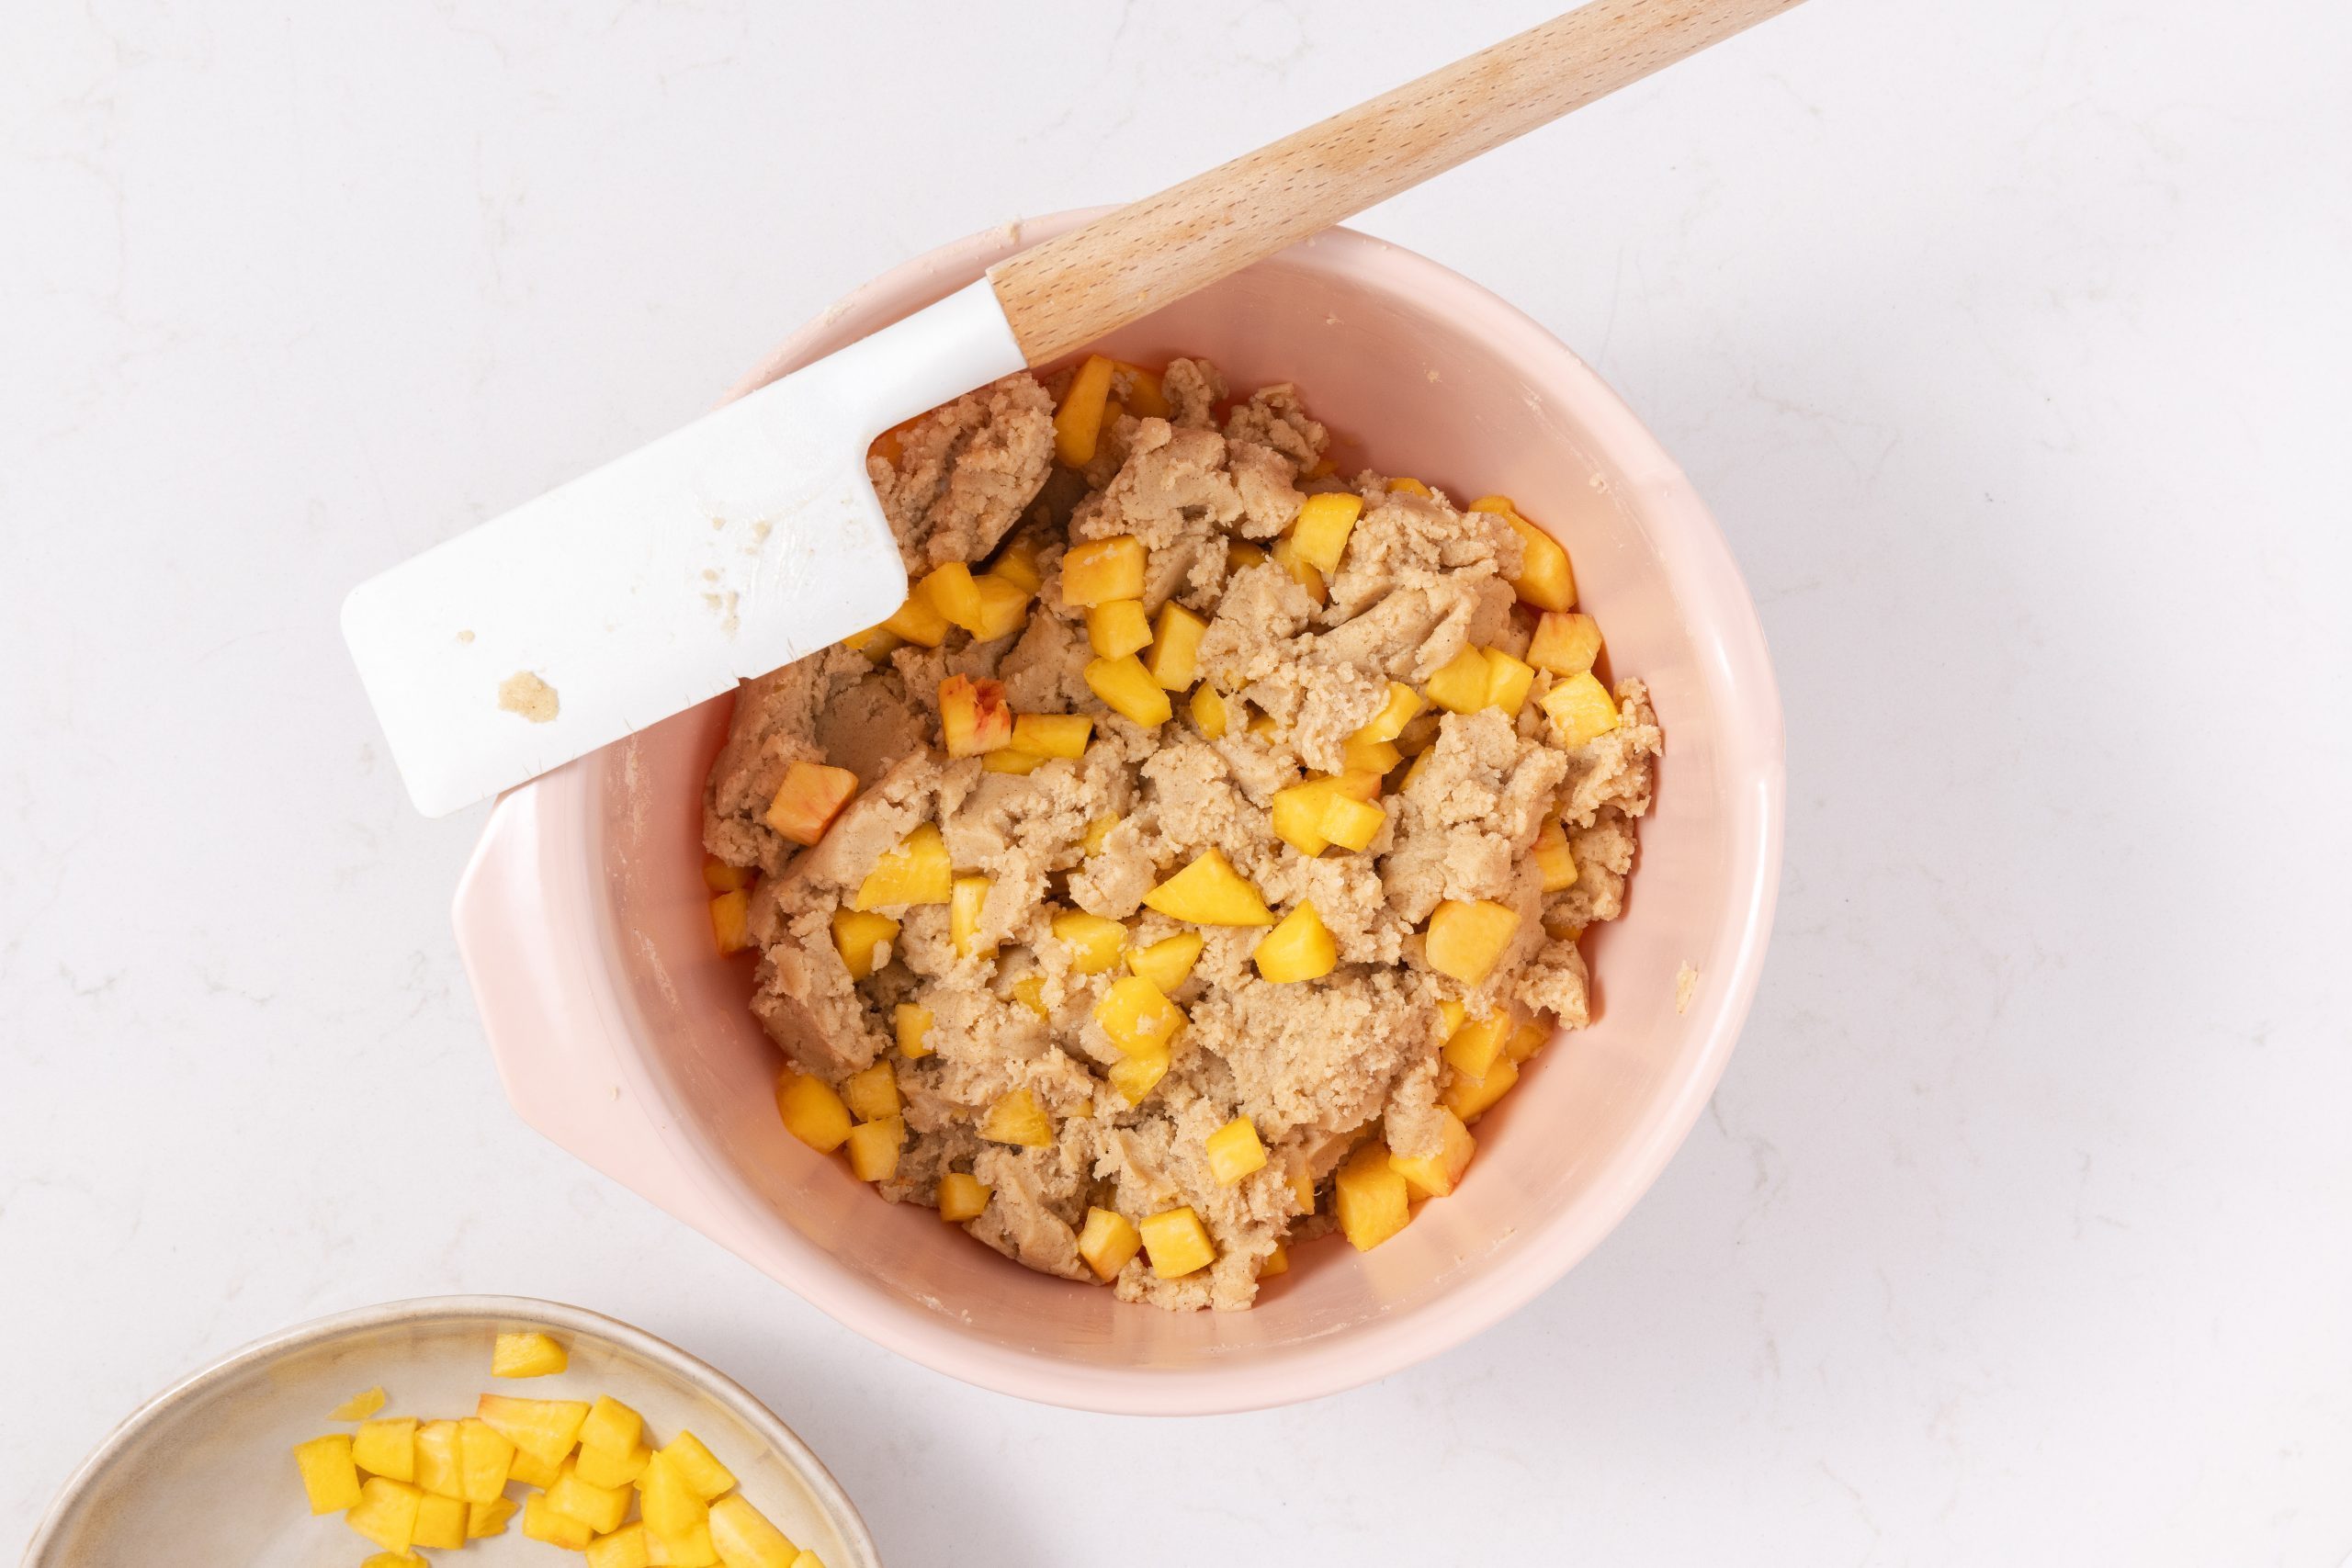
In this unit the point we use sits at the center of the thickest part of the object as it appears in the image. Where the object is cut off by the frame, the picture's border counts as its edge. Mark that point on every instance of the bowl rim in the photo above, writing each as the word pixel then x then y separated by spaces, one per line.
pixel 1729 645
pixel 682 1365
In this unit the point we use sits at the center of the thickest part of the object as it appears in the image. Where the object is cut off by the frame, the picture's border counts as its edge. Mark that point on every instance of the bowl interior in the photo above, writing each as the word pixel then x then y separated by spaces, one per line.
pixel 204 1475
pixel 1419 373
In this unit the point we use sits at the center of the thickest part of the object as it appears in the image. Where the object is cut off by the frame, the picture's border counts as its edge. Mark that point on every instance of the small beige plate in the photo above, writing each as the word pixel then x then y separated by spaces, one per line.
pixel 202 1473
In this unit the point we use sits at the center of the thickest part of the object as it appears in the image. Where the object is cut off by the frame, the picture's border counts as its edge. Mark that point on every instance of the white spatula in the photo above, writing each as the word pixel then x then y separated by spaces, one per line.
pixel 752 537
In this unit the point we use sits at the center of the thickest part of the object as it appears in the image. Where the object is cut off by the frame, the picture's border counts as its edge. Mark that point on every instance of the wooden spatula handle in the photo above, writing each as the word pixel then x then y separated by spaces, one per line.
pixel 1077 286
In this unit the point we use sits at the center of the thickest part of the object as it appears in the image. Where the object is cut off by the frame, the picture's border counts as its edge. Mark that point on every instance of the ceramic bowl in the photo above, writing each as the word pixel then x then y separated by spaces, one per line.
pixel 624 1037
pixel 202 1471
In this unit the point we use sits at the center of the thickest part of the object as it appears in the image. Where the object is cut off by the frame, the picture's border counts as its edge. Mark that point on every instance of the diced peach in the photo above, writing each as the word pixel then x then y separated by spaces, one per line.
pixel 1136 1015
pixel 878 643
pixel 386 1512
pixel 1030 992
pixel 1118 627
pixel 911 1024
pixel 954 594
pixel 1465 938
pixel 1473 1047
pixel 1094 941
pixel 1261 724
pixel 1371 1200
pixel 1373 757
pixel 1350 823
pixel 485 1458
pixel 1469 1097
pixel 1016 1118
pixel 1528 1039
pixel 1460 685
pixel 601 1508
pixel 811 1112
pixel 968 902
pixel 860 936
pixel 671 1507
pixel 614 1467
pixel 624 1548
pixel 1053 734
pixel 1552 857
pixel 1011 760
pixel 1098 833
pixel 527 1354
pixel 330 1475
pixel 1138 1073
pixel 1126 688
pixel 1235 1151
pixel 486 1519
pixel 360 1406
pixel 744 1537
pixel 1320 531
pixel 1565 643
pixel 532 1470
pixel 962 1196
pixel 698 1466
pixel 1240 555
pixel 718 877
pixel 873 1148
pixel 1274 1262
pixel 1103 569
pixel 1077 423
pixel 915 872
pixel 1450 1014
pixel 690 1549
pixel 974 717
pixel 1580 709
pixel 1004 606
pixel 917 621
pixel 1437 1175
pixel 437 1469
pixel 1017 564
pixel 1300 947
pixel 809 799
pixel 871 1093
pixel 1297 816
pixel 1396 712
pixel 393 1560
pixel 545 1428
pixel 1175 657
pixel 1406 485
pixel 1209 892
pixel 1544 579
pixel 730 921
pixel 1509 680
pixel 1107 1242
pixel 1305 573
pixel 1167 962
pixel 1207 708
pixel 1177 1242
pixel 542 1520
pixel 440 1522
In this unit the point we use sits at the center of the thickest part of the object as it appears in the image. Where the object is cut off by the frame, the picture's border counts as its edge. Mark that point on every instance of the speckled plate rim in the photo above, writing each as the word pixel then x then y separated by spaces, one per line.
pixel 688 1369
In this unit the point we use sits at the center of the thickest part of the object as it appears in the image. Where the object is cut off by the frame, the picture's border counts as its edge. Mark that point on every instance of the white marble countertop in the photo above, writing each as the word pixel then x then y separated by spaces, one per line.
pixel 2008 341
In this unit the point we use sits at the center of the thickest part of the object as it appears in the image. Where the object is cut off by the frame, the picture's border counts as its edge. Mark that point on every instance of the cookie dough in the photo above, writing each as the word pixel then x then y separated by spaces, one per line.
pixel 1485 809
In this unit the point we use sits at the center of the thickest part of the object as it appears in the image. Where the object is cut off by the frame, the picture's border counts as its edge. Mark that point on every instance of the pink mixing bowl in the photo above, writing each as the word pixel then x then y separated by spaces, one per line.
pixel 622 1036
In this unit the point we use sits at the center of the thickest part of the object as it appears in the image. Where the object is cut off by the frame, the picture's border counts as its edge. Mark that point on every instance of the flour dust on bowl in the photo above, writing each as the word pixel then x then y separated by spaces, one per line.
pixel 623 1035
pixel 205 1471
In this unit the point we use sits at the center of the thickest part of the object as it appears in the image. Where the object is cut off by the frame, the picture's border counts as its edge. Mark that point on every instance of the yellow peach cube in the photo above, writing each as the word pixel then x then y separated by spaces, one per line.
pixel 1136 1015
pixel 1449 1013
pixel 1408 487
pixel 809 799
pixel 1098 833
pixel 1509 680
pixel 386 1512
pixel 873 1148
pixel 1300 947
pixel 1005 760
pixel 916 872
pixel 1320 530
pixel 1030 992
pixel 1103 569
pixel 911 1023
pixel 1374 757
pixel 962 1196
pixel 386 1447
pixel 974 717
pixel 545 1428
pixel 601 1508
pixel 1209 892
pixel 954 594
pixel 624 1548
pixel 1207 708
pixel 1469 1097
pixel 1350 823
pixel 671 1508
pixel 745 1539
pixel 1017 564
pixel 1297 816
pixel 862 937
pixel 1462 682
pixel 1565 643
pixel 1437 1175
pixel 730 921
pixel 1467 937
pixel 1240 555
pixel 1053 734
pixel 330 1475
pixel 691 1549
pixel 1177 1243
pixel 871 1093
pixel 393 1560
pixel 1118 627
pixel 698 1466
pixel 811 1112
pixel 485 1459
pixel 1371 1200
pixel 1175 657
pixel 440 1522
pixel 486 1519
pixel 1077 423
pixel 1016 1118
pixel 878 643
pixel 1473 1047
pixel 1235 1151
pixel 1145 400
pixel 1274 1262
pixel 1093 941
pixel 1168 962
pixel 1397 711
pixel 532 1470
pixel 1126 688
pixel 718 877
pixel 917 621
pixel 1546 579
pixel 542 1520
pixel 1305 573
pixel 1138 1073
pixel 1004 606
pixel 437 1468
pixel 1526 1039
pixel 1108 1241
pixel 968 902
pixel 360 1406
pixel 1553 859
pixel 614 1467
pixel 1580 709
